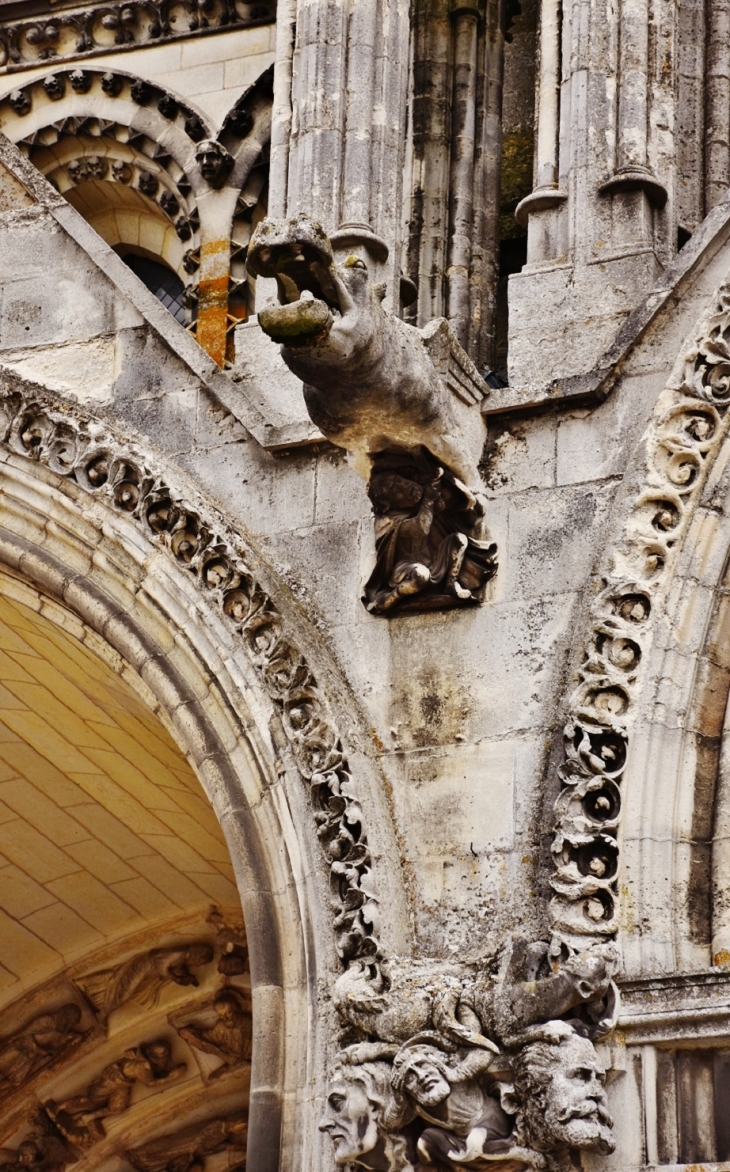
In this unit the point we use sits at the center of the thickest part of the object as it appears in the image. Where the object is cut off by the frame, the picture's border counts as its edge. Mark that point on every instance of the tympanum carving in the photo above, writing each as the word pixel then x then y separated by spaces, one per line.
pixel 473 1064
pixel 80 1118
pixel 38 1044
pixel 188 1148
pixel 142 978
pixel 403 402
pixel 227 1035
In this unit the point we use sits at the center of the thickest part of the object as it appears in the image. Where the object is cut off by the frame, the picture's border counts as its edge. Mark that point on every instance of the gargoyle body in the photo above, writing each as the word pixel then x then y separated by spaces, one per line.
pixel 404 403
pixel 370 382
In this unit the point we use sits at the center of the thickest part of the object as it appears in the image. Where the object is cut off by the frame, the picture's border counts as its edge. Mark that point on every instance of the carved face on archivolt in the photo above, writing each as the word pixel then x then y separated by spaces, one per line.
pixel 358 1103
pixel 214 161
pixel 559 1085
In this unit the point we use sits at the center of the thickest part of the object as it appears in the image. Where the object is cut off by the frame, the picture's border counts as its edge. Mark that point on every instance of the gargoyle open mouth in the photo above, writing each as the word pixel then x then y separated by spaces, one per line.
pixel 298 255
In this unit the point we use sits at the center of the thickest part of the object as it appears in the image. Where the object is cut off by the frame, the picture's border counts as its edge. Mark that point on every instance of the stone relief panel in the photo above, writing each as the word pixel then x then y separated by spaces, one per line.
pixel 67 1050
pixel 479 1064
pixel 190 1147
pixel 403 402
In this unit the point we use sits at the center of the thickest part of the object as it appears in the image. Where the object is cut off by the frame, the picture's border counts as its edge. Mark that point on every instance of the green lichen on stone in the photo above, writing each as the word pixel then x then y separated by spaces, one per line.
pixel 516 181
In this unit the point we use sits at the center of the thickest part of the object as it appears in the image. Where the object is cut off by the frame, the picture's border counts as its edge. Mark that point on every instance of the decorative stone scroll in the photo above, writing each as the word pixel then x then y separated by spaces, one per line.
pixel 481 1064
pixel 689 425
pixel 404 403
pixel 98 27
pixel 89 454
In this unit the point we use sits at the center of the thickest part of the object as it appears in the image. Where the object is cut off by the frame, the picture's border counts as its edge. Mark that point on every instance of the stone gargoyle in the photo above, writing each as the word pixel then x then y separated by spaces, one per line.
pixel 403 402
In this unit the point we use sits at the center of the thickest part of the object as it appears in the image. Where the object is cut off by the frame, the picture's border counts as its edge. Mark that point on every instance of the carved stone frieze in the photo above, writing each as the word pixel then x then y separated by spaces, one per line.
pixel 689 425
pixel 98 27
pixel 403 402
pixel 80 1117
pixel 92 457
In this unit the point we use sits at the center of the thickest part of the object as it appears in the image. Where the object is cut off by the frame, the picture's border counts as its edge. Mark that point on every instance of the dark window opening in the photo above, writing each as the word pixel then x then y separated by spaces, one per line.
pixel 163 282
pixel 693 1100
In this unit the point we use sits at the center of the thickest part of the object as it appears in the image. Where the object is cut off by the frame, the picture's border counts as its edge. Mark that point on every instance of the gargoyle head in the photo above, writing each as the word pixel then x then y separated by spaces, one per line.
pixel 320 301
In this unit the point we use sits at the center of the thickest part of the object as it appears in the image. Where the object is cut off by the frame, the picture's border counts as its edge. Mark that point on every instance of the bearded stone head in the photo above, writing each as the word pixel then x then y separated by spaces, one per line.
pixel 421 1072
pixel 559 1092
pixel 359 1109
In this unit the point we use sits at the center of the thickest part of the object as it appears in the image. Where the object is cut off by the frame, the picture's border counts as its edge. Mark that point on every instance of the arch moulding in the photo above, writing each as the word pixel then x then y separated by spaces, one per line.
pixel 164 590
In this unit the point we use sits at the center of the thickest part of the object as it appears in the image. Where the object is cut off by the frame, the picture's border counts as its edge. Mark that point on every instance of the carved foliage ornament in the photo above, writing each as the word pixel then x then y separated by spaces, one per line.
pixel 101 465
pixel 689 426
pixel 96 28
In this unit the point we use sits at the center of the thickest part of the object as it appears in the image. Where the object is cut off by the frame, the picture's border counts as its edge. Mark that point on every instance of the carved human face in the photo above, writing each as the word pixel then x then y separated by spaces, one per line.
pixel 212 159
pixel 424 1081
pixel 159 1054
pixel 350 1120
pixel 226 1011
pixel 575 1109
pixel 20 101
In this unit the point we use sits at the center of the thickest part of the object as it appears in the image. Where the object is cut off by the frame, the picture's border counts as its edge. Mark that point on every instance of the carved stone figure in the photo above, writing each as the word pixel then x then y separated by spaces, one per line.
pixel 79 1118
pixel 169 204
pixel 370 381
pixel 403 402
pixel 121 171
pixel 20 101
pixel 43 1150
pixel 140 92
pixel 229 1038
pixel 78 170
pixel 80 81
pixel 187 1149
pixel 55 86
pixel 168 107
pixel 452 1094
pixel 96 165
pixel 142 978
pixel 38 1044
pixel 426 554
pixel 147 183
pixel 559 1093
pixel 360 1117
pixel 111 83
pixel 472 1047
pixel 214 162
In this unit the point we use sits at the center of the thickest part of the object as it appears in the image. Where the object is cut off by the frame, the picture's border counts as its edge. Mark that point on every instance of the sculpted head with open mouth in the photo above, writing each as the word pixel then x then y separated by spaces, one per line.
pixel 298 255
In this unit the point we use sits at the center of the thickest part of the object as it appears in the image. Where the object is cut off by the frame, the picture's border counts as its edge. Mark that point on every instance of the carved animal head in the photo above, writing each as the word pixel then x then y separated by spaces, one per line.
pixel 330 307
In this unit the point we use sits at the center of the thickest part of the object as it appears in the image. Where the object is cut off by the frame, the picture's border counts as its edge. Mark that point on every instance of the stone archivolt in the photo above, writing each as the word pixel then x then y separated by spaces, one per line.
pixel 99 27
pixel 688 428
pixel 53 1047
pixel 91 455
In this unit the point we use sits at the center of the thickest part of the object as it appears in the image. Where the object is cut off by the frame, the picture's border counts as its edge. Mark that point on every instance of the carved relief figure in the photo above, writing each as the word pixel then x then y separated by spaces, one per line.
pixel 142 978
pixel 452 1093
pixel 39 1043
pixel 360 1116
pixel 214 162
pixel 42 1151
pixel 424 519
pixel 490 1061
pixel 559 1093
pixel 188 1148
pixel 80 1118
pixel 229 1038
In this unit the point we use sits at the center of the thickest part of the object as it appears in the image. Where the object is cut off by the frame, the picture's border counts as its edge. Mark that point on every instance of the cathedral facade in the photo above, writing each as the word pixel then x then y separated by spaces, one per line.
pixel 364 585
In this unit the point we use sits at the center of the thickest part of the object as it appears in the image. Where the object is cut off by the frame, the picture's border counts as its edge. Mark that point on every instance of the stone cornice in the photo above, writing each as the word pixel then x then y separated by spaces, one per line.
pixel 72 32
